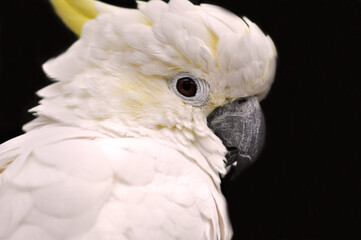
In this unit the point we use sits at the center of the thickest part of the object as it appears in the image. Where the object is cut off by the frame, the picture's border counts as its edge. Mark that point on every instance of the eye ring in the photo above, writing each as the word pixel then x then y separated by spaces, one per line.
pixel 190 89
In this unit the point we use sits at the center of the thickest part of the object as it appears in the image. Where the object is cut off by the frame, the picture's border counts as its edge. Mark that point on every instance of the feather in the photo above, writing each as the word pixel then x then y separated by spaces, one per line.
pixel 80 191
pixel 229 20
pixel 15 205
pixel 153 9
pixel 31 232
pixel 180 6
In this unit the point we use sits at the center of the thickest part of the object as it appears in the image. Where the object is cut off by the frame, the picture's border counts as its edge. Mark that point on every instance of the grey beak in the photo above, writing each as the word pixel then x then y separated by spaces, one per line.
pixel 241 127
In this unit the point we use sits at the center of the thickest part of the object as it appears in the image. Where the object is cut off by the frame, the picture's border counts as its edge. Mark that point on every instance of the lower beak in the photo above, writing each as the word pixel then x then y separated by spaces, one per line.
pixel 240 125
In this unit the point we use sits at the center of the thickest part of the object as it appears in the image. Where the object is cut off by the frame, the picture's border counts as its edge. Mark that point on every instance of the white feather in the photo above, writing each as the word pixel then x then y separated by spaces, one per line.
pixel 31 232
pixel 15 205
pixel 101 186
pixel 153 9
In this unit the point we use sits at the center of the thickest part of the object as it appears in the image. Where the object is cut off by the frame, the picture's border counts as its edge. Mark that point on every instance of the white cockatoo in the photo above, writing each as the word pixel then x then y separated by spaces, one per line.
pixel 148 108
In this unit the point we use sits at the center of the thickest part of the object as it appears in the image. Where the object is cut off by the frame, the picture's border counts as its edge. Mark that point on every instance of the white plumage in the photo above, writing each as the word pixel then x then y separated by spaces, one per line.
pixel 78 184
pixel 113 152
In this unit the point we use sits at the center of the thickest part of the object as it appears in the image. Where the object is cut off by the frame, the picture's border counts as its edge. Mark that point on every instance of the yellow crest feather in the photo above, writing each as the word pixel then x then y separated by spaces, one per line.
pixel 75 13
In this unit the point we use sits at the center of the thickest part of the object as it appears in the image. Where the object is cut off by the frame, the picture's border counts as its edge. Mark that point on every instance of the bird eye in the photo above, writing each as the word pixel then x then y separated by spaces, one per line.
pixel 190 89
pixel 187 87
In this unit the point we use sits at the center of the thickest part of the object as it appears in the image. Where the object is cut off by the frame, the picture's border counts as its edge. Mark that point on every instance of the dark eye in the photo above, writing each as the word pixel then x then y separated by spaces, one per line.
pixel 187 87
pixel 190 89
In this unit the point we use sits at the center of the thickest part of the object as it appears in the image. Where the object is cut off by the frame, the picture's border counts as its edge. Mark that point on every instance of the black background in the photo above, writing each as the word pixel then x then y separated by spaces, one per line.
pixel 307 183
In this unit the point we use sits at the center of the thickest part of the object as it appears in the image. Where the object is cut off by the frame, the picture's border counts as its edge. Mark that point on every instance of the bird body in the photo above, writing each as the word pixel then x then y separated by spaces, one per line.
pixel 77 184
pixel 121 146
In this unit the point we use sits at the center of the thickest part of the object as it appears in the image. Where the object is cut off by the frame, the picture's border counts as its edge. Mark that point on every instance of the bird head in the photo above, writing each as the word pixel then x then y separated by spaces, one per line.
pixel 188 75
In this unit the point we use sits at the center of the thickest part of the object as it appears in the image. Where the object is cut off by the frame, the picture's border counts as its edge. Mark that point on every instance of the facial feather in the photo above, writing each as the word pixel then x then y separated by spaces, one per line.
pixel 116 77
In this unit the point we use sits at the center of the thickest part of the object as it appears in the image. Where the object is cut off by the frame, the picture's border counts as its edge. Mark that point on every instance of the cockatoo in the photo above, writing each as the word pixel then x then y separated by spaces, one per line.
pixel 148 108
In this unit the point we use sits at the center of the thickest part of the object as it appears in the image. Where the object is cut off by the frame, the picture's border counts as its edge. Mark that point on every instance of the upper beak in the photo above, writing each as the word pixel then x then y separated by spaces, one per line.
pixel 240 125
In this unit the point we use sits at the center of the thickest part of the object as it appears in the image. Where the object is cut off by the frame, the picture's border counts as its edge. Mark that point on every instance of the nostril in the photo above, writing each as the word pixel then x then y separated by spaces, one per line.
pixel 242 100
